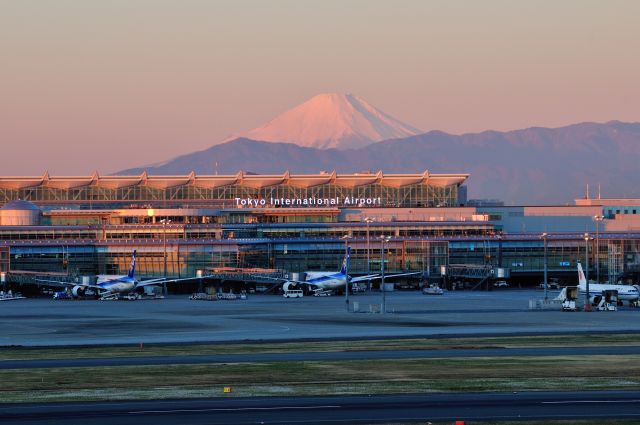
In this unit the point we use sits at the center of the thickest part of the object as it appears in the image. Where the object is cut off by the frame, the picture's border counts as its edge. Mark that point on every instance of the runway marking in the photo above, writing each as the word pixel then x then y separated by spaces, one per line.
pixel 239 409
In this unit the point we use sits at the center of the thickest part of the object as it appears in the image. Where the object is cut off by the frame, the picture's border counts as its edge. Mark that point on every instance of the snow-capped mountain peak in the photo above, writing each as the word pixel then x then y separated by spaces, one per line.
pixel 332 120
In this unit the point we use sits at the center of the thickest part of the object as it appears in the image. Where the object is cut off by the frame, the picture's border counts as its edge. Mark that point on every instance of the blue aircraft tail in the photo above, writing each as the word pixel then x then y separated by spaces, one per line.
pixel 132 267
pixel 345 261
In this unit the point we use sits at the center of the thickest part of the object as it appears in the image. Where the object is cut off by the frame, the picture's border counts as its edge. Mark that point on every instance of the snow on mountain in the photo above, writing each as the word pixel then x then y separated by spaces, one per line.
pixel 332 120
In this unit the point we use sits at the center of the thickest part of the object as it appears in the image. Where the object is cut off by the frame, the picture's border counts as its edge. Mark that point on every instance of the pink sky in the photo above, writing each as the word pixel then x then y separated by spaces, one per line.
pixel 107 85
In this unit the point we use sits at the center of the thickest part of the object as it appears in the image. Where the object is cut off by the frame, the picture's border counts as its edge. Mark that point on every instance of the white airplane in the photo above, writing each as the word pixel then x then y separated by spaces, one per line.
pixel 108 285
pixel 625 292
pixel 322 281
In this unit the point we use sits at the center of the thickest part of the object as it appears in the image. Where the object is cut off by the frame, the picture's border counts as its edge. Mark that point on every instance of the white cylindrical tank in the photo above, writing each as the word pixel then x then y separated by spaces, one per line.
pixel 20 213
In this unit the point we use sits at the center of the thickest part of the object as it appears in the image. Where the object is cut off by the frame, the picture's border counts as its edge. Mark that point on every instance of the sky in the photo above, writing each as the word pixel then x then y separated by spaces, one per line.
pixel 93 85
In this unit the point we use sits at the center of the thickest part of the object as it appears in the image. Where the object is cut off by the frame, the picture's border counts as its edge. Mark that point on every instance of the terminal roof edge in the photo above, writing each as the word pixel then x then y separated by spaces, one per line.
pixel 241 178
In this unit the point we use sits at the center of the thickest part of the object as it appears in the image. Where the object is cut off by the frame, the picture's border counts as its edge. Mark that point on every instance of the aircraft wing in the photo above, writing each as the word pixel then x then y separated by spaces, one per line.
pixel 387 276
pixel 377 276
pixel 162 280
pixel 56 282
pixel 283 280
pixel 363 278
pixel 150 282
pixel 67 284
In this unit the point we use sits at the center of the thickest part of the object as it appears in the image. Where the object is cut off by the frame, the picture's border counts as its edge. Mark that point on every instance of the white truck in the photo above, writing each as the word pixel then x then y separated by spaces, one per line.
pixel 568 296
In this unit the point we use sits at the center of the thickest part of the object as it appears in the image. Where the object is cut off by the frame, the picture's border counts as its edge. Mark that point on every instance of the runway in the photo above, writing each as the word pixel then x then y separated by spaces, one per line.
pixel 319 356
pixel 269 318
pixel 45 322
pixel 419 408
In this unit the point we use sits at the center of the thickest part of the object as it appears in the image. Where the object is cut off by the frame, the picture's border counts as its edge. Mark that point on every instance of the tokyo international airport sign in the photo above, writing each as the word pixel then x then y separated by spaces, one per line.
pixel 347 201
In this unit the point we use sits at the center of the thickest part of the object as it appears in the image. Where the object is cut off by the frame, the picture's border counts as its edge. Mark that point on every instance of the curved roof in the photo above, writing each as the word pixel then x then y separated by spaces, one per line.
pixel 20 205
pixel 255 181
pixel 310 180
pixel 442 180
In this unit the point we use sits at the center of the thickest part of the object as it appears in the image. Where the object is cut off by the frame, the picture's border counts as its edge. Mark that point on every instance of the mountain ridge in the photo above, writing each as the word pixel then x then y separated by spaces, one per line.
pixel 536 165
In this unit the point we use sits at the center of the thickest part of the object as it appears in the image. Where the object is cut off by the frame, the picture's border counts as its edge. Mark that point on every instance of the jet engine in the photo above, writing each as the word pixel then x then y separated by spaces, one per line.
pixel 78 290
pixel 288 286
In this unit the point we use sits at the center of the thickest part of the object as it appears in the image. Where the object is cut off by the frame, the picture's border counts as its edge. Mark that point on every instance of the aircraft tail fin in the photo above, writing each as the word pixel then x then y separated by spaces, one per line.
pixel 132 266
pixel 581 279
pixel 345 261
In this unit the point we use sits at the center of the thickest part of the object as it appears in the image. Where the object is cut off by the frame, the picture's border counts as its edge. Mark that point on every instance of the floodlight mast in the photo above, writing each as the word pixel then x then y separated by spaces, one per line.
pixel 383 241
pixel 598 219
pixel 546 284
pixel 587 301
pixel 164 222
pixel 346 269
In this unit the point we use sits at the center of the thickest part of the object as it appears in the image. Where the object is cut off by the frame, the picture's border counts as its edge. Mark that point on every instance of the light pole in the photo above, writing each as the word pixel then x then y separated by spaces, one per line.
pixel 587 302
pixel 598 219
pixel 164 253
pixel 346 270
pixel 368 220
pixel 544 238
pixel 383 240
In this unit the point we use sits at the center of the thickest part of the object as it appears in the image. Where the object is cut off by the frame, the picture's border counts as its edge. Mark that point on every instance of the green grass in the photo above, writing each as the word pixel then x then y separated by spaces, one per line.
pixel 25 353
pixel 322 378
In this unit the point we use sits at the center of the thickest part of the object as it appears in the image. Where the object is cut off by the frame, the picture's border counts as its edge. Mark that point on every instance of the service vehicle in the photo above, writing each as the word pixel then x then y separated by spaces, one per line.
pixel 293 293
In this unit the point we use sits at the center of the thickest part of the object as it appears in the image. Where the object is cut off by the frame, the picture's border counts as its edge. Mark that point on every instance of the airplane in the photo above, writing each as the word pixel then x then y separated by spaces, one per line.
pixel 625 292
pixel 323 281
pixel 107 285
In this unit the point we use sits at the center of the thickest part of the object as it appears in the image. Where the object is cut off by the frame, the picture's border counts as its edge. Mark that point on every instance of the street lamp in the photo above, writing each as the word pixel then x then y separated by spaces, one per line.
pixel 544 238
pixel 346 270
pixel 164 222
pixel 383 240
pixel 587 302
pixel 598 219
pixel 368 220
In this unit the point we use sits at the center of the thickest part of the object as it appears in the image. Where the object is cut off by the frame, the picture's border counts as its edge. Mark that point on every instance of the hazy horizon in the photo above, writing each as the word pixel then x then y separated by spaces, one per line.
pixel 91 85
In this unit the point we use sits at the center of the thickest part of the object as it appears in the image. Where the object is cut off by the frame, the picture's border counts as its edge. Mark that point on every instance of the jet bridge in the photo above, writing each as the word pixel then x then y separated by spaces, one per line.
pixel 483 273
pixel 469 271
pixel 246 275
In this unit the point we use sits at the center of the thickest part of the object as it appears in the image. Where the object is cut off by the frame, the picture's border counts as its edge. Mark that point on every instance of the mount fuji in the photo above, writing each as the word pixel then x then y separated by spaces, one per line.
pixel 345 133
pixel 332 120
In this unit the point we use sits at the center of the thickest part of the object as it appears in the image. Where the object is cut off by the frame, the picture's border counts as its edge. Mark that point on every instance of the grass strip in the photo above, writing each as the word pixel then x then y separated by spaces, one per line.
pixel 26 353
pixel 322 378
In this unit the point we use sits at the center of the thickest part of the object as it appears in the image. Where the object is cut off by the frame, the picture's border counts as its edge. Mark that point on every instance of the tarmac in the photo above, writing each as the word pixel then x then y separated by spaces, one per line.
pixel 176 319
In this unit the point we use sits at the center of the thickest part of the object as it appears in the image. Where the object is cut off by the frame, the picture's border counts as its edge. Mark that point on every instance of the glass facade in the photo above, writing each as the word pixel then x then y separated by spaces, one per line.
pixel 141 196
pixel 618 258
pixel 4 259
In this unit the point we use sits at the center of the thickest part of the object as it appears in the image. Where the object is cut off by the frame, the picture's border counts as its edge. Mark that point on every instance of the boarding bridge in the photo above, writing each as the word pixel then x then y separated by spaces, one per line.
pixel 247 275
pixel 481 272
pixel 469 271
pixel 29 277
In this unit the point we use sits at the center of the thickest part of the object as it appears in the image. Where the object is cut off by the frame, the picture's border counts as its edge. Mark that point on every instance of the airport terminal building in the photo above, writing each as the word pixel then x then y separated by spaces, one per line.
pixel 182 224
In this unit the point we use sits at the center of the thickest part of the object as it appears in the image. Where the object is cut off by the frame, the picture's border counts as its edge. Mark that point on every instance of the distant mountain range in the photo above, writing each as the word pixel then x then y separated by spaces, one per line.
pixel 530 166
